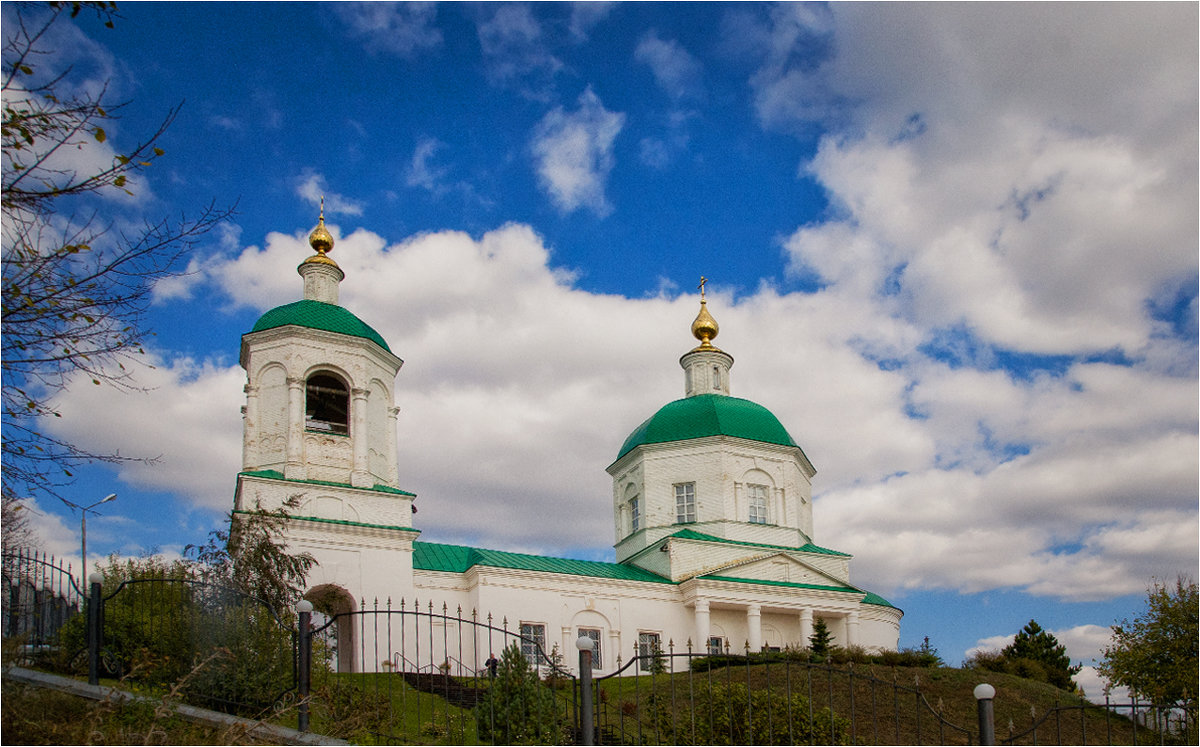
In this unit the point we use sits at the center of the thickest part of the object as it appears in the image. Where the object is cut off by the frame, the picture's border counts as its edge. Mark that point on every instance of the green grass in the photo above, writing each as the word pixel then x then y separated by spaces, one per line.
pixel 878 712
pixel 33 715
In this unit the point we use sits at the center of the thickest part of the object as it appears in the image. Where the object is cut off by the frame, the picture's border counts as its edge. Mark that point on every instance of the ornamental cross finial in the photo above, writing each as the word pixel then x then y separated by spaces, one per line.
pixel 322 218
pixel 703 280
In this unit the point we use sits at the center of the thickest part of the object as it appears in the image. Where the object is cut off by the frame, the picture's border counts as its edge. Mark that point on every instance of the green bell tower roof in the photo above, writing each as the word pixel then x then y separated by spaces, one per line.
pixel 705 415
pixel 318 315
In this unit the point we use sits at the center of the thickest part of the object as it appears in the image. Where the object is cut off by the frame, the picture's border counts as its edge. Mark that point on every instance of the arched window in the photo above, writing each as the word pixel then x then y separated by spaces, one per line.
pixel 327 404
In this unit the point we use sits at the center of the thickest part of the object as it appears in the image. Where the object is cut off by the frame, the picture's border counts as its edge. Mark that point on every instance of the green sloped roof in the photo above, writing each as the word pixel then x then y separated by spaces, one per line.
pixel 708 415
pixel 319 315
pixel 432 556
pixel 270 474
pixel 807 547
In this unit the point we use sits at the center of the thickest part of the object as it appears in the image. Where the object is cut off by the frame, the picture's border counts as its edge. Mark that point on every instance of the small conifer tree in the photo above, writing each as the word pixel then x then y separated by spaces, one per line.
pixel 821 640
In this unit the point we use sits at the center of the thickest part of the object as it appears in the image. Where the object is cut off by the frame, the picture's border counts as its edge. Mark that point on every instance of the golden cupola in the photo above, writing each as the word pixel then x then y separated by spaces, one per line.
pixel 321 274
pixel 706 366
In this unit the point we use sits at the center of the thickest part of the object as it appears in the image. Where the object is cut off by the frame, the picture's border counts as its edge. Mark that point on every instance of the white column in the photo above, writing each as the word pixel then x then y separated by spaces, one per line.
pixel 393 449
pixel 852 629
pixel 360 477
pixel 754 627
pixel 294 469
pixel 806 627
pixel 703 627
pixel 250 429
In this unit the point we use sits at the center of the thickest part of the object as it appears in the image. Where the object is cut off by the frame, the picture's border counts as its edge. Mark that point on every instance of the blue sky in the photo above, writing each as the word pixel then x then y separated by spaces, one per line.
pixel 952 247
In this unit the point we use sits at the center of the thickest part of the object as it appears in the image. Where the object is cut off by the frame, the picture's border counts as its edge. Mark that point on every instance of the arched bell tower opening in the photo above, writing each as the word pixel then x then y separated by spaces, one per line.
pixel 336 604
pixel 326 404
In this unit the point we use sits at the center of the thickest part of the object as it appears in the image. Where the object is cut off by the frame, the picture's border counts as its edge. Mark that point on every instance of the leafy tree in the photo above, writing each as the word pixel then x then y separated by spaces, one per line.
pixel 17 532
pixel 518 708
pixel 821 640
pixel 1156 654
pixel 75 290
pixel 1036 645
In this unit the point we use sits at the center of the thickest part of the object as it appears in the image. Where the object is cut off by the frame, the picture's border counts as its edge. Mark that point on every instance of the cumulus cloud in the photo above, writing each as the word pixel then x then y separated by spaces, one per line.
pixel 676 71
pixel 515 52
pixel 402 29
pixel 573 154
pixel 1085 646
pixel 312 188
pixel 978 212
pixel 508 412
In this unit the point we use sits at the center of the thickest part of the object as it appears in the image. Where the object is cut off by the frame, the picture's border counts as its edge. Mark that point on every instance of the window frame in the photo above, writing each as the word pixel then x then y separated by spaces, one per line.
pixel 635 514
pixel 719 650
pixel 531 640
pixel 648 642
pixel 598 649
pixel 759 497
pixel 685 502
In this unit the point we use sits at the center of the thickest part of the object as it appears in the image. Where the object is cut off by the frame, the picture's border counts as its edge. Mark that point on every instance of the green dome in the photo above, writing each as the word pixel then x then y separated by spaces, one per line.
pixel 318 315
pixel 709 415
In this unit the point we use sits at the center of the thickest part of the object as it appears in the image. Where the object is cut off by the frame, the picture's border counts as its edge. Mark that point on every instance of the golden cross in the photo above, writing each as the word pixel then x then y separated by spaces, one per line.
pixel 703 280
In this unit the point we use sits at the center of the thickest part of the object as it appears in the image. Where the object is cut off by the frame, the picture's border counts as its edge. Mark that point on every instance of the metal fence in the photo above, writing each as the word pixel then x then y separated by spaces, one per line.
pixel 420 672
pixel 39 597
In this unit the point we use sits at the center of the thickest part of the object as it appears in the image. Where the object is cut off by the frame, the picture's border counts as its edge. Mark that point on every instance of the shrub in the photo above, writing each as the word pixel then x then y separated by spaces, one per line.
pixel 739 716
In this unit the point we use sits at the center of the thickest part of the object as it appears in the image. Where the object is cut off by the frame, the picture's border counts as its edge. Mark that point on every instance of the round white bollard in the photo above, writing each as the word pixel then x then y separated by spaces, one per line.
pixel 984 692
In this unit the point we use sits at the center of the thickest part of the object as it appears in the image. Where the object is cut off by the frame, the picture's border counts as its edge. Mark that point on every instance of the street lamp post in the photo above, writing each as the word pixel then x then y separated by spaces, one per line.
pixel 83 529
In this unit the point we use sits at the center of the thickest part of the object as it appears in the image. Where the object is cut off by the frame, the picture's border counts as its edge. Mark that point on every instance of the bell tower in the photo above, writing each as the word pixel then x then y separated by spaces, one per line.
pixel 319 429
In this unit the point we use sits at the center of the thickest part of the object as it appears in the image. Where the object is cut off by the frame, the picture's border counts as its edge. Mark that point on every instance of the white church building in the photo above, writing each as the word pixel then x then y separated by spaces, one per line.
pixel 712 503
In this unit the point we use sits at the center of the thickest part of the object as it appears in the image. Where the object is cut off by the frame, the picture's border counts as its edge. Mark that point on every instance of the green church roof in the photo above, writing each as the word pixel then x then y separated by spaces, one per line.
pixel 318 315
pixel 432 556
pixel 708 415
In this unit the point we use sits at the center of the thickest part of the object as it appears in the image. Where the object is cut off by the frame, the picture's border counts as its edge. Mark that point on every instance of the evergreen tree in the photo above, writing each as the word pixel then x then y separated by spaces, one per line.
pixel 821 640
pixel 518 708
pixel 1034 648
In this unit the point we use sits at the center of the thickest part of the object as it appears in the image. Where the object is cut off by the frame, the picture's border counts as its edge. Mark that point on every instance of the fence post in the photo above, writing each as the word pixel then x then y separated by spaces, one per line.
pixel 987 728
pixel 584 644
pixel 304 682
pixel 95 621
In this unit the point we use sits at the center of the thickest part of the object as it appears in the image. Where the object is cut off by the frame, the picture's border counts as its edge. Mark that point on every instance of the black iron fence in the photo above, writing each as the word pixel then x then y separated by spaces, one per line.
pixel 423 673
pixel 39 597
pixel 415 672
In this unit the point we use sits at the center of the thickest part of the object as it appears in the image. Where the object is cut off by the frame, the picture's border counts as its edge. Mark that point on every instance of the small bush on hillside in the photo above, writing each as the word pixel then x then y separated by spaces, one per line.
pixel 741 717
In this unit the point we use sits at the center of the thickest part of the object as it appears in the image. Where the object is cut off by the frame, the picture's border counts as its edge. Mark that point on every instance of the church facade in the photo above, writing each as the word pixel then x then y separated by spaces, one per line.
pixel 711 498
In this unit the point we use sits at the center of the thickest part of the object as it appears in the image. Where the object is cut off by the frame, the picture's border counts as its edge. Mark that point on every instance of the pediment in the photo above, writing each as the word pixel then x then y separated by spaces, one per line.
pixel 776 567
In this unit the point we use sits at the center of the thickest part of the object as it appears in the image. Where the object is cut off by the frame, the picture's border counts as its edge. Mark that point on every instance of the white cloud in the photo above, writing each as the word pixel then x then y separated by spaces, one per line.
pixel 312 188
pixel 519 388
pixel 402 29
pixel 573 154
pixel 515 52
pixel 421 171
pixel 585 15
pixel 676 71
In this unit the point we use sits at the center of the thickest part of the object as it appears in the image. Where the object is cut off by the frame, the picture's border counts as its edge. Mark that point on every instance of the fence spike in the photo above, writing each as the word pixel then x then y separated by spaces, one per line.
pixel 747 646
pixel 444 608
pixel 671 645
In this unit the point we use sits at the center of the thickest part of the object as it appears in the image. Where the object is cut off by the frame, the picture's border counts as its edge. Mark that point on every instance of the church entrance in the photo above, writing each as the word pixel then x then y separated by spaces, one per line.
pixel 335 603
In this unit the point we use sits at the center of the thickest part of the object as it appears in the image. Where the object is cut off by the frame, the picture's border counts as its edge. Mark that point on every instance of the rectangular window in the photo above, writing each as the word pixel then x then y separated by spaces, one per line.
pixel 533 643
pixel 635 515
pixel 685 503
pixel 597 655
pixel 649 648
pixel 716 645
pixel 758 504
